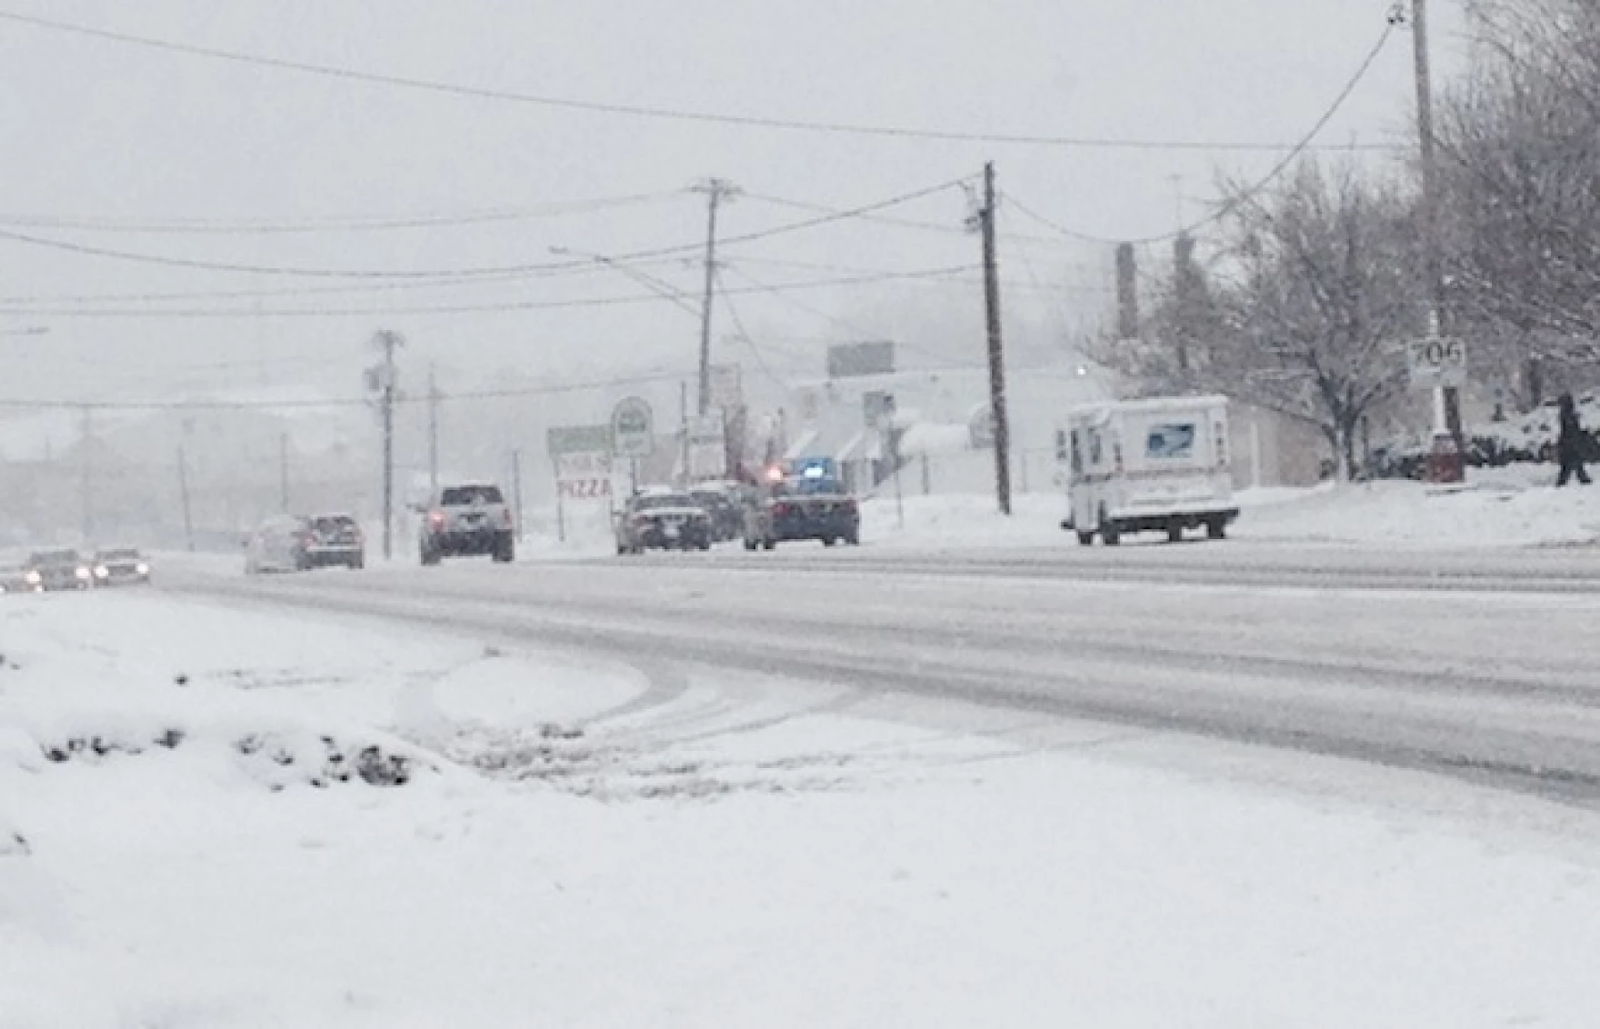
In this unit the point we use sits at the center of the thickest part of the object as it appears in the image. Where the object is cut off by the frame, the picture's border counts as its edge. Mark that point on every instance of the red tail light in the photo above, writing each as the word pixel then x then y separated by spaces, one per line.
pixel 850 503
pixel 437 519
pixel 780 510
pixel 505 518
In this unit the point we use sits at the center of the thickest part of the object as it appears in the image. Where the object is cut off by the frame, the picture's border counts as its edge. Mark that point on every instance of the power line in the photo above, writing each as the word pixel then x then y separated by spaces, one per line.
pixel 464 273
pixel 904 223
pixel 744 333
pixel 354 223
pixel 845 326
pixel 445 282
pixel 1252 191
pixel 635 110
pixel 35 404
pixel 454 309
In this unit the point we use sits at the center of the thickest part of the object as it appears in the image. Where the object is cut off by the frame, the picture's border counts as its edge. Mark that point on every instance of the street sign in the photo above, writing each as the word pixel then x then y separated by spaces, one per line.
pixel 583 475
pixel 633 431
pixel 1437 363
pixel 577 439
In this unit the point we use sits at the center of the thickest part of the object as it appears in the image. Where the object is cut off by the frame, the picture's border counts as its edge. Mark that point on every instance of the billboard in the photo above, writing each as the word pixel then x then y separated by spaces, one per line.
pixel 852 360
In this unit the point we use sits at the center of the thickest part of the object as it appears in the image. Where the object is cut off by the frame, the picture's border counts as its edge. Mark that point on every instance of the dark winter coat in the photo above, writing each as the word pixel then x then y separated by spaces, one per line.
pixel 1573 445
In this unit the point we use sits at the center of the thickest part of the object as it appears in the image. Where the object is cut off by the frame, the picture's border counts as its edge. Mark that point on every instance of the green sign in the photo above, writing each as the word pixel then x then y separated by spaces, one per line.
pixel 578 439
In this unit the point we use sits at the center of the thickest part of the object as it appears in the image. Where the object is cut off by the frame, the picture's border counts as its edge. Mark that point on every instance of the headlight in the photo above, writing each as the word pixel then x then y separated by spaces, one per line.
pixel 102 572
pixel 34 578
pixel 82 573
pixel 143 569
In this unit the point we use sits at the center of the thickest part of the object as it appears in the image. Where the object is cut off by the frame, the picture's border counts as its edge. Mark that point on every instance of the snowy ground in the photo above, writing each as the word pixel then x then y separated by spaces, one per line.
pixel 1498 508
pixel 577 844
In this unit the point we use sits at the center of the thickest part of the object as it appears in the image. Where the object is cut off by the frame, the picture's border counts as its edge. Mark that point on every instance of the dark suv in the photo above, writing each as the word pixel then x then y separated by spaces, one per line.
pixel 468 521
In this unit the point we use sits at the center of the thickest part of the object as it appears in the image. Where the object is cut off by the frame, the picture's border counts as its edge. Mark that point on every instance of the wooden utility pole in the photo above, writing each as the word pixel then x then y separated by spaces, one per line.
pixel 997 368
pixel 183 493
pixel 86 460
pixel 683 433
pixel 1447 400
pixel 433 432
pixel 516 490
pixel 384 379
pixel 283 471
pixel 716 190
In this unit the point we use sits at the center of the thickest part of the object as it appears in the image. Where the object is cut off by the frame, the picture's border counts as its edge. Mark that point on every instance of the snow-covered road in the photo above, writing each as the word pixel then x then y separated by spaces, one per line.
pixel 689 793
pixel 1472 666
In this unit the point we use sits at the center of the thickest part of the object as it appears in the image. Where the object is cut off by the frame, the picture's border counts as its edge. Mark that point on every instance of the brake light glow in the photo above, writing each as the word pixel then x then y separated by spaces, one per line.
pixel 436 519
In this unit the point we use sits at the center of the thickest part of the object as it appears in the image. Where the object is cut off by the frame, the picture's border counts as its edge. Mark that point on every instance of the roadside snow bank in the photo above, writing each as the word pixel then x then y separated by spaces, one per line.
pixel 1489 513
pixel 1498 507
pixel 973 520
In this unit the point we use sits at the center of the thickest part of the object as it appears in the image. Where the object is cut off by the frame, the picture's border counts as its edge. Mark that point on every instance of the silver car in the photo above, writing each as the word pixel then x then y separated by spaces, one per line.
pixel 14 578
pixel 121 567
pixel 279 544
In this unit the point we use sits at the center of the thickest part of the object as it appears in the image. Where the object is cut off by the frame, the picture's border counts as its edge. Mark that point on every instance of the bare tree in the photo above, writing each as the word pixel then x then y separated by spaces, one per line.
pixel 1311 294
pixel 1520 175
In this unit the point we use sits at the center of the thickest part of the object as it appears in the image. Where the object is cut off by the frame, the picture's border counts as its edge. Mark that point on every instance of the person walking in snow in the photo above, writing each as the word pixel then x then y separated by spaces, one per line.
pixel 1572 445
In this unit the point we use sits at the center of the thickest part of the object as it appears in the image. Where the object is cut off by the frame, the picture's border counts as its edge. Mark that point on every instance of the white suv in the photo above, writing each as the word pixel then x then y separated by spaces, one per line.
pixel 469 520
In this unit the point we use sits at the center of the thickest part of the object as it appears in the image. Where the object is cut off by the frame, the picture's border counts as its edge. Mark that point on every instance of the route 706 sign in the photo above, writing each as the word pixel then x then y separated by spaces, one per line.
pixel 1437 363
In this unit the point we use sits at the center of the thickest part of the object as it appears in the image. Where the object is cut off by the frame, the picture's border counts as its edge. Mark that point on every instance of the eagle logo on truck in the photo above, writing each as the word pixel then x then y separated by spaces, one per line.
pixel 1170 442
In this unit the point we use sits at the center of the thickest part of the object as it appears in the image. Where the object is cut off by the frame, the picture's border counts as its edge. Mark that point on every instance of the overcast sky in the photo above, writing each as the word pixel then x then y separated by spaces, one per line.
pixel 100 131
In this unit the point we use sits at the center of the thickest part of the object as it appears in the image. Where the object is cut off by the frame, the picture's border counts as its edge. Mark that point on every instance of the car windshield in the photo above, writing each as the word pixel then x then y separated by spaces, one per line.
pixel 54 557
pixel 124 554
pixel 328 524
pixel 465 496
pixel 665 500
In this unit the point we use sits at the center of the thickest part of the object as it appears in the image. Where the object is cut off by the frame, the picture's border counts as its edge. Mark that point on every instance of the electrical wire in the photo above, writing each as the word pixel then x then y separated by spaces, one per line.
pixel 1230 204
pixel 305 291
pixel 632 110
pixel 848 328
pixel 36 404
pixel 904 223
pixel 468 273
pixel 456 309
pixel 368 223
pixel 744 333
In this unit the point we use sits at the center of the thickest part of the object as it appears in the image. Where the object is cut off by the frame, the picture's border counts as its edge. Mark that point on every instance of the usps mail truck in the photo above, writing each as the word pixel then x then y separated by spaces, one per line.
pixel 1158 465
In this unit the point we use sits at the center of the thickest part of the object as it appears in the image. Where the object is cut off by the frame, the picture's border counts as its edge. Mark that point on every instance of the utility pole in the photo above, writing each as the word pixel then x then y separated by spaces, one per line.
pixel 283 471
pixel 683 432
pixel 1447 400
pixel 997 369
pixel 383 380
pixel 516 489
pixel 183 491
pixel 433 434
pixel 716 190
pixel 87 462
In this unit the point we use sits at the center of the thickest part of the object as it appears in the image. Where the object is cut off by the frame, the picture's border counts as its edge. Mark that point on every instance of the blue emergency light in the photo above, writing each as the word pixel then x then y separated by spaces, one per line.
pixel 814 468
